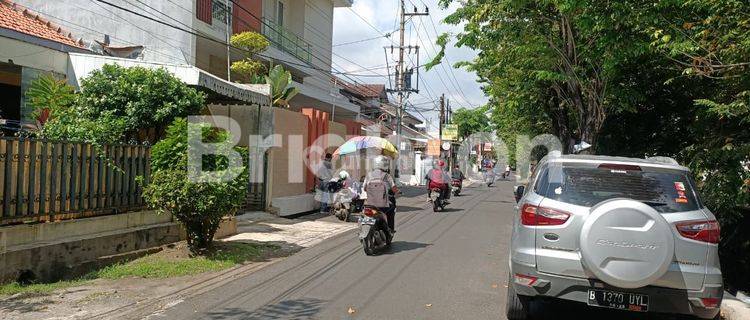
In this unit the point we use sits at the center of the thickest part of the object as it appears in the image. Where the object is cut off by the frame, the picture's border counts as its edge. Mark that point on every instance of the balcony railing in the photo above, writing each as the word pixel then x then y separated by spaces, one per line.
pixel 285 40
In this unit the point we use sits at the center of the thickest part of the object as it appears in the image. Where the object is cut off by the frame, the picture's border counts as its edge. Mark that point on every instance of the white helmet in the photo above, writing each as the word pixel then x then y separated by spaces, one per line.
pixel 343 175
pixel 382 163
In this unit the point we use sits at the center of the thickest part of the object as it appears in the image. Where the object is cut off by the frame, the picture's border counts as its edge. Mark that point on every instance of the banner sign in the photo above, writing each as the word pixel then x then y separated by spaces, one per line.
pixel 433 147
pixel 450 132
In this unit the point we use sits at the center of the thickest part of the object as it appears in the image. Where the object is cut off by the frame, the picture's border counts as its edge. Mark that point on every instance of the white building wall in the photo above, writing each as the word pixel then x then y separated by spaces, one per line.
pixel 319 34
pixel 92 20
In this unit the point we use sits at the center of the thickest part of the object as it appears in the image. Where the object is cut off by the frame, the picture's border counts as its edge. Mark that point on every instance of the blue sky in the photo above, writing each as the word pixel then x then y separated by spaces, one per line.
pixel 458 85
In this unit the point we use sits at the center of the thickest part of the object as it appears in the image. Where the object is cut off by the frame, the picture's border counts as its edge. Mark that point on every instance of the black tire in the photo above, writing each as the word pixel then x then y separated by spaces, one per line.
pixel 435 206
pixel 516 306
pixel 367 246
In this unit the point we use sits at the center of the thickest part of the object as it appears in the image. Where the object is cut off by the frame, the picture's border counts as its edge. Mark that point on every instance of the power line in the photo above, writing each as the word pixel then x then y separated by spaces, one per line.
pixel 72 25
pixel 450 64
pixel 311 46
pixel 442 66
pixel 387 35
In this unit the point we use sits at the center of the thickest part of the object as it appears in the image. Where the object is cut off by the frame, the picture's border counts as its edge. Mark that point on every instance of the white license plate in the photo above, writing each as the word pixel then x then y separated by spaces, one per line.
pixel 367 220
pixel 618 300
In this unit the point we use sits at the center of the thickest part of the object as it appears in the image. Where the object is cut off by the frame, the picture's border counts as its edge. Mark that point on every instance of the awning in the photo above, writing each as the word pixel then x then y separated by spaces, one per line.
pixel 81 65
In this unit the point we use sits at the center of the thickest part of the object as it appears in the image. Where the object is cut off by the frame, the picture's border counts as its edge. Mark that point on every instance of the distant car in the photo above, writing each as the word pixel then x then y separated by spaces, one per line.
pixel 621 233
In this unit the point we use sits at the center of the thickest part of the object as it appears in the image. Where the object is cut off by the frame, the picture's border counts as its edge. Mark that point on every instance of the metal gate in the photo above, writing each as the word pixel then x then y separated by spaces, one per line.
pixel 256 191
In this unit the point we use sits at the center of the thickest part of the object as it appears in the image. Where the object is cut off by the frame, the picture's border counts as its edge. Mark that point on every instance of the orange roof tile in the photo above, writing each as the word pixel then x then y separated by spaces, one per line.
pixel 17 18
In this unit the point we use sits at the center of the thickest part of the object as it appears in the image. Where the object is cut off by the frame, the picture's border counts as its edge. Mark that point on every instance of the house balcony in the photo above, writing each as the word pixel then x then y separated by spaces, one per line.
pixel 286 40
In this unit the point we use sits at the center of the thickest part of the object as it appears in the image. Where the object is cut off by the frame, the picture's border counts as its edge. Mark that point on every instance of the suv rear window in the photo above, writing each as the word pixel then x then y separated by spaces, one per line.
pixel 664 190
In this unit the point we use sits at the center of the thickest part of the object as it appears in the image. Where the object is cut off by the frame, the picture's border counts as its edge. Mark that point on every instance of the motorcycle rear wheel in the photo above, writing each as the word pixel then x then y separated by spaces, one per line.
pixel 368 246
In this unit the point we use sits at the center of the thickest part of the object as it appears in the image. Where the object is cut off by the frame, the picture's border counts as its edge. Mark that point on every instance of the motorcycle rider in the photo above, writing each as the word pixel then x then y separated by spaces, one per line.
pixel 437 178
pixel 457 174
pixel 380 186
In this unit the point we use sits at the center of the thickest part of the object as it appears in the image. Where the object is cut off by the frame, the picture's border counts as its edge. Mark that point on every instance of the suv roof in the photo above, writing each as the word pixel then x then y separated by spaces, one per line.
pixel 656 162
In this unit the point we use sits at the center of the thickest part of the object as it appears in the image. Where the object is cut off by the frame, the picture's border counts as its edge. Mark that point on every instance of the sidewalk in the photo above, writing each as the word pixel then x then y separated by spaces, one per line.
pixel 309 230
pixel 734 309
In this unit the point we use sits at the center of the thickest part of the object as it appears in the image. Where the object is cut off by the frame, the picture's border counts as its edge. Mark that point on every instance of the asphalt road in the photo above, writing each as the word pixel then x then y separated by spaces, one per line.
pixel 447 265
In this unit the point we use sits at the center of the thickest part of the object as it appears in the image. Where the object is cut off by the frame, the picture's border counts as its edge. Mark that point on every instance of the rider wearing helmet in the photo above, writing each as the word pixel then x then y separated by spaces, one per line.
pixel 338 182
pixel 438 178
pixel 381 190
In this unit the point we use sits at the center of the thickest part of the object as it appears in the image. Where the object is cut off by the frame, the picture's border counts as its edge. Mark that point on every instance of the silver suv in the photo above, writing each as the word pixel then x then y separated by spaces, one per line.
pixel 622 233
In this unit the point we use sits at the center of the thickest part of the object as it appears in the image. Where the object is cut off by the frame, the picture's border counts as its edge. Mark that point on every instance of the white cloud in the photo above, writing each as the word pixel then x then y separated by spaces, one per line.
pixel 383 15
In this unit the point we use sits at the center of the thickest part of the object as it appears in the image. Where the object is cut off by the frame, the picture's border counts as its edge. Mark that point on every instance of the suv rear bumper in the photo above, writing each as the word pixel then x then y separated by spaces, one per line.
pixel 662 300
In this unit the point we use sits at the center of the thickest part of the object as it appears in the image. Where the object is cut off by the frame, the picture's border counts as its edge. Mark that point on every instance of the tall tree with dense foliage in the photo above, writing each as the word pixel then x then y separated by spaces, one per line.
pixel 558 58
pixel 471 121
pixel 709 41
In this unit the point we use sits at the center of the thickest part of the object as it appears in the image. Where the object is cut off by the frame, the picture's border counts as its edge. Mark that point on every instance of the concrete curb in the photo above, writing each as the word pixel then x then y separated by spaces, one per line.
pixel 733 309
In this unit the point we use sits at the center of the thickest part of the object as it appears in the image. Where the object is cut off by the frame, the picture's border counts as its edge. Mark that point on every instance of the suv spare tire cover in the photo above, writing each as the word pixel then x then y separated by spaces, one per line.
pixel 626 243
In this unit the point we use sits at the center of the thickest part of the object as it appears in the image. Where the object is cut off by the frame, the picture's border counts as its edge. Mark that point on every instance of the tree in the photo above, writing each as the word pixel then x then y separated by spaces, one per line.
pixel 249 70
pixel 199 206
pixel 561 56
pixel 471 121
pixel 707 41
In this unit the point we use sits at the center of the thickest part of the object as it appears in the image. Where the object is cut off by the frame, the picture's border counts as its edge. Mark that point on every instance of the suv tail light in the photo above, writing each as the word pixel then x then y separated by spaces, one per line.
pixel 532 215
pixel 711 303
pixel 706 231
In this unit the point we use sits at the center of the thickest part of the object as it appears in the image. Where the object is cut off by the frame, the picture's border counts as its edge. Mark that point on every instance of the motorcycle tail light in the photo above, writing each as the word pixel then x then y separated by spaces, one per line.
pixel 532 215
pixel 705 231
pixel 369 212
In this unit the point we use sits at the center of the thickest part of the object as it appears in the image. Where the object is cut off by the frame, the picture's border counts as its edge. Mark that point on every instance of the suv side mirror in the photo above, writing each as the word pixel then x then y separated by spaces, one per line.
pixel 519 192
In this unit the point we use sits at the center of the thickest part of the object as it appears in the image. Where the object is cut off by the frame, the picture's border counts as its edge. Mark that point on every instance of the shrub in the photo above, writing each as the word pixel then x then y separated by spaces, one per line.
pixel 199 206
pixel 249 70
pixel 144 98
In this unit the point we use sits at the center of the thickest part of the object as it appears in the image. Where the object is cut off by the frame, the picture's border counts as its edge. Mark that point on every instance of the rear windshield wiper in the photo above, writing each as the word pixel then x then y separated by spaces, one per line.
pixel 654 203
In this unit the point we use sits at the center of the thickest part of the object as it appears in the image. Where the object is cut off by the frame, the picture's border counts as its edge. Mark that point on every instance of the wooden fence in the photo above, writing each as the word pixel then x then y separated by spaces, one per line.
pixel 45 181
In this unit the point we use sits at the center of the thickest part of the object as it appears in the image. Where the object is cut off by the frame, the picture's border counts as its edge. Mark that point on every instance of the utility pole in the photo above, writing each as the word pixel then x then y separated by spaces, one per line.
pixel 442 119
pixel 401 87
pixel 228 13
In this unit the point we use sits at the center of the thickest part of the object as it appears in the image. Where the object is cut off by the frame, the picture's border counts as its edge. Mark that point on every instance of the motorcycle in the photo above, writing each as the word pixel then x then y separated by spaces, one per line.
pixel 489 176
pixel 437 200
pixel 457 185
pixel 343 204
pixel 374 233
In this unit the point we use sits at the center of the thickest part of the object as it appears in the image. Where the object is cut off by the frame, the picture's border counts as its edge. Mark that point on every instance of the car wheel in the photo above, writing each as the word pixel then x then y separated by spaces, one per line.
pixel 516 306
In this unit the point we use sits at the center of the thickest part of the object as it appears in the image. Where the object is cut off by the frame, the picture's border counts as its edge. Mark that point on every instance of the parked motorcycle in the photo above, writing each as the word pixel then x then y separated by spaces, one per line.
pixel 343 205
pixel 437 200
pixel 457 185
pixel 374 233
